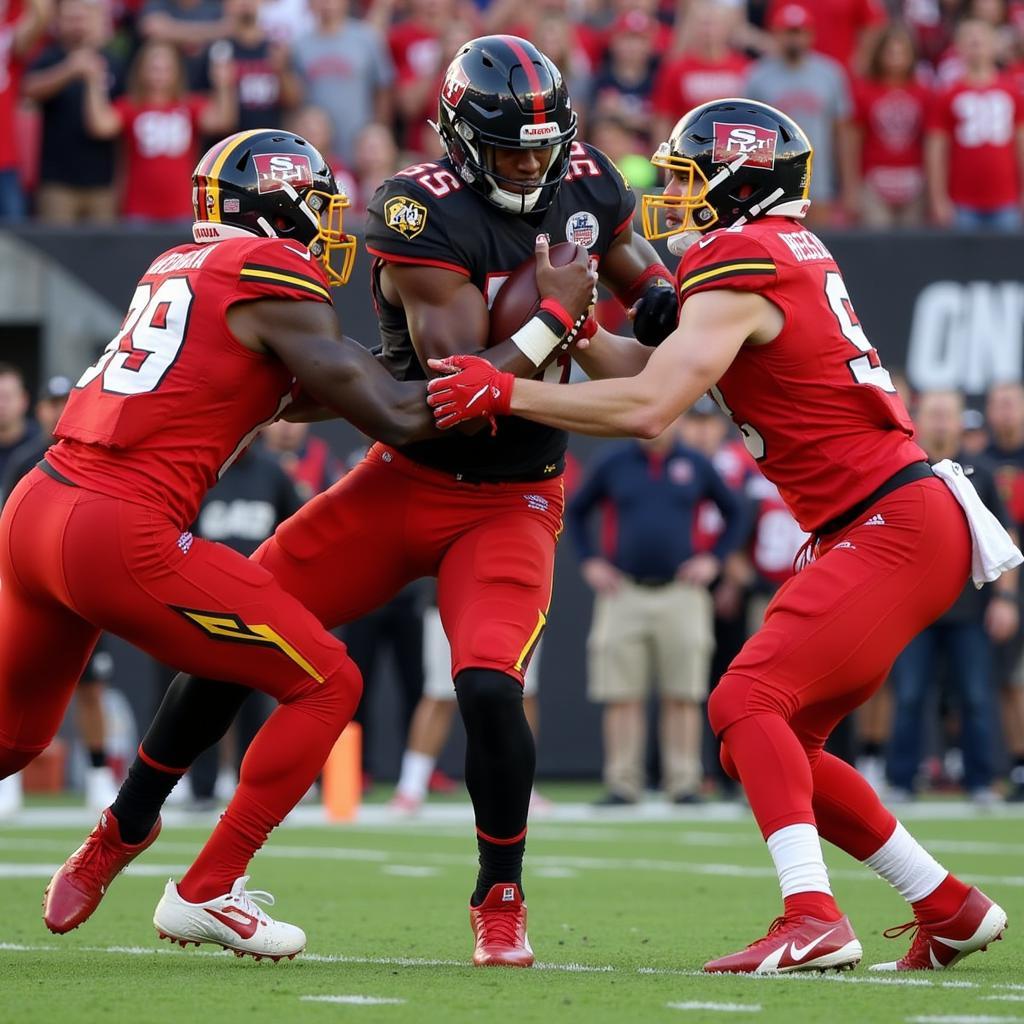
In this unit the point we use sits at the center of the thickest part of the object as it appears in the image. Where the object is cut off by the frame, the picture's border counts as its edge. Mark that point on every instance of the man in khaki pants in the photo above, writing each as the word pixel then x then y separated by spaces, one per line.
pixel 652 611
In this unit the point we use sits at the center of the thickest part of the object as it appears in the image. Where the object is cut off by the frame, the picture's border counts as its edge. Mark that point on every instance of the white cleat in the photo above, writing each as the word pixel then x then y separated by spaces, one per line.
pixel 234 922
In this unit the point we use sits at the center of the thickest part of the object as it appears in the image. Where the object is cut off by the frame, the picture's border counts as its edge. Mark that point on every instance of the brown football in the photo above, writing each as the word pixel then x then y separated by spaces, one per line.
pixel 518 299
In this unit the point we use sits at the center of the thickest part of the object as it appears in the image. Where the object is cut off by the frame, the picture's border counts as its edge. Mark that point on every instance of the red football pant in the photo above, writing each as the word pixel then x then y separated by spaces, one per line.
pixel 829 638
pixel 73 562
pixel 391 521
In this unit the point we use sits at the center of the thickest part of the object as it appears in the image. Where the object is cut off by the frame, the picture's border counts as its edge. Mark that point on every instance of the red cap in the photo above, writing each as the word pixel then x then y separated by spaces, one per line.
pixel 635 22
pixel 790 16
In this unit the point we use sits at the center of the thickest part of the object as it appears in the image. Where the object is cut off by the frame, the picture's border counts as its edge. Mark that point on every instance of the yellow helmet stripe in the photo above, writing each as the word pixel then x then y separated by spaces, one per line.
pixel 212 188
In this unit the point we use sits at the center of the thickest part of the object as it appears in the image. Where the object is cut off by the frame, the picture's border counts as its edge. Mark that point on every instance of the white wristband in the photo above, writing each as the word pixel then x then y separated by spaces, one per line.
pixel 536 340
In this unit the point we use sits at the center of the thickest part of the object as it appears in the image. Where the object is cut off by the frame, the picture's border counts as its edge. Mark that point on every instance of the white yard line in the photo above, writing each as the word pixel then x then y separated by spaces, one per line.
pixel 354 1000
pixel 717 1007
pixel 957 1018
pixel 47 870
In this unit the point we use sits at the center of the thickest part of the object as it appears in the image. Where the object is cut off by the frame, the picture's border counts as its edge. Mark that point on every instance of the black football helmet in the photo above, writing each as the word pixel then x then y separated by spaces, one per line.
pixel 273 184
pixel 736 160
pixel 502 92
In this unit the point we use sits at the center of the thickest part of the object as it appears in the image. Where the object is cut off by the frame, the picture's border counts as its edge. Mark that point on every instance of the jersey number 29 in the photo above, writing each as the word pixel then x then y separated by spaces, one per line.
pixel 140 354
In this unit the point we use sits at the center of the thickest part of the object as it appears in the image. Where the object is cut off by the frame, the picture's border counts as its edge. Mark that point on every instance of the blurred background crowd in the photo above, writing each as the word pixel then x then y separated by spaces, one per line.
pixel 915 107
pixel 682 543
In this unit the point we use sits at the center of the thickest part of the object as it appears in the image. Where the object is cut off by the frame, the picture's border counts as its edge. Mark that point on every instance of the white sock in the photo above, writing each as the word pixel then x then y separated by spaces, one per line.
pixel 416 771
pixel 907 866
pixel 796 850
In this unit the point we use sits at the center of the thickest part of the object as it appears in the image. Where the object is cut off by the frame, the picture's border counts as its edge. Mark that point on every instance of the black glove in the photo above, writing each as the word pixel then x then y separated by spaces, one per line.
pixel 657 313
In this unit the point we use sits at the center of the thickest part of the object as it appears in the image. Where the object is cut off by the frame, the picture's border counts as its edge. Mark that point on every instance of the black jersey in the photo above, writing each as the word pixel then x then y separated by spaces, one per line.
pixel 426 215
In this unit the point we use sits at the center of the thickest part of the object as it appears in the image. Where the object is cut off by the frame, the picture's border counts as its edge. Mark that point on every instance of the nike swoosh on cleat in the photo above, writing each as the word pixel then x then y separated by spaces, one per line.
pixel 245 929
pixel 798 954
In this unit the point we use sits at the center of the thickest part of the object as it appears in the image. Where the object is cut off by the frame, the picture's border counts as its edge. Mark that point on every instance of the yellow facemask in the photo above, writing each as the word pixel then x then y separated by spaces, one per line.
pixel 335 249
pixel 656 209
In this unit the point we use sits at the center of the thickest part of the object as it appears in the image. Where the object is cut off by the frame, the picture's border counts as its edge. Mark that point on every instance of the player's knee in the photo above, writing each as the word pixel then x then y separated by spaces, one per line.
pixel 336 698
pixel 727 702
pixel 484 694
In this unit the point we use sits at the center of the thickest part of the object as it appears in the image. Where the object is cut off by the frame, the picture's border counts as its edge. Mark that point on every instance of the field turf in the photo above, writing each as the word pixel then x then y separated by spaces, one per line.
pixel 623 914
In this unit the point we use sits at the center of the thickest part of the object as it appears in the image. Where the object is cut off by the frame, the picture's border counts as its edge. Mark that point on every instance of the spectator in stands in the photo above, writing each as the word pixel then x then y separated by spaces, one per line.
pixel 558 36
pixel 932 24
pixel 813 89
pixel 974 150
pixel 16 427
pixel 49 405
pixel 653 610
pixel 160 124
pixel 887 151
pixel 347 71
pixel 266 82
pixel 588 42
pixel 306 458
pixel 845 29
pixel 961 639
pixel 376 158
pixel 190 25
pixel 975 432
pixel 705 68
pixel 76 171
pixel 22 24
pixel 1004 410
pixel 624 83
pixel 287 20
pixel 627 150
pixel 314 125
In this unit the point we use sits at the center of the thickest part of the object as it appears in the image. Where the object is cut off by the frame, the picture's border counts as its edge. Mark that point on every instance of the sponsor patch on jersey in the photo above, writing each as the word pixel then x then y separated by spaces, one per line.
pixel 757 144
pixel 582 228
pixel 539 134
pixel 274 169
pixel 405 216
pixel 456 83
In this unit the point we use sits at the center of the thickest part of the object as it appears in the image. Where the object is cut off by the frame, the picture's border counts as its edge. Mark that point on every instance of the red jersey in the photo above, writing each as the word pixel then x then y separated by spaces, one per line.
pixel 777 537
pixel 11 68
pixel 689 81
pixel 981 123
pixel 175 398
pixel 161 149
pixel 815 406
pixel 735 465
pixel 892 119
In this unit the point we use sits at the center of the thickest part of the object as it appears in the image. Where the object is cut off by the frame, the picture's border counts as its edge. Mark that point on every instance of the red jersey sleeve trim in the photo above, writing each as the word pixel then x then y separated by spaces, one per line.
pixel 390 257
pixel 286 279
pixel 625 224
pixel 723 272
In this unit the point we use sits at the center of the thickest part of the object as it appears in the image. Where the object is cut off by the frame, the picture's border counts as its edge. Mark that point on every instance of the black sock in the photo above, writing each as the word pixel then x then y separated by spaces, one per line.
pixel 500 864
pixel 97 758
pixel 500 760
pixel 871 749
pixel 140 798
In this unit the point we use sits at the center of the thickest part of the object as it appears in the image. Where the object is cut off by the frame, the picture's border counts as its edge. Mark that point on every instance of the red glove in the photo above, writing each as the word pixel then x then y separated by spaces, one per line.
pixel 470 388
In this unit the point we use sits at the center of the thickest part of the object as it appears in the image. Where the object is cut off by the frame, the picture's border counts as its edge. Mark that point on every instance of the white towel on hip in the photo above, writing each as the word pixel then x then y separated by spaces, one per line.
pixel 992 550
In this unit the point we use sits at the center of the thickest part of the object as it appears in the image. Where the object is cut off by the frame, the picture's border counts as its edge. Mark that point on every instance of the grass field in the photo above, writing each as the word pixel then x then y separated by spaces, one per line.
pixel 623 914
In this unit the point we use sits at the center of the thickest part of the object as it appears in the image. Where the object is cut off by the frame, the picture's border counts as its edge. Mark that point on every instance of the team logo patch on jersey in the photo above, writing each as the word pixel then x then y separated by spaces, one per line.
pixel 582 228
pixel 455 85
pixel 405 216
pixel 274 169
pixel 757 144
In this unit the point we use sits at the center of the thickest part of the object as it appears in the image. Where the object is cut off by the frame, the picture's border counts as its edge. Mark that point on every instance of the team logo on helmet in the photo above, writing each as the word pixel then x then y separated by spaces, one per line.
pixel 456 83
pixel 757 144
pixel 582 228
pixel 273 169
pixel 405 216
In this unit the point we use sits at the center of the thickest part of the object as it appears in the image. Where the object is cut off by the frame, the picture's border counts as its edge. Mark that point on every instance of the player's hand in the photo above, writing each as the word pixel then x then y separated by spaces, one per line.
pixel 601 576
pixel 700 570
pixel 468 388
pixel 571 286
pixel 1002 619
pixel 655 315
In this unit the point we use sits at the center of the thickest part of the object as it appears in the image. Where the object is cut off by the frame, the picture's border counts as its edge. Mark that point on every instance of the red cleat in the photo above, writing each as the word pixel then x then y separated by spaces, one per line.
pixel 82 880
pixel 499 924
pixel 795 944
pixel 978 922
pixel 441 783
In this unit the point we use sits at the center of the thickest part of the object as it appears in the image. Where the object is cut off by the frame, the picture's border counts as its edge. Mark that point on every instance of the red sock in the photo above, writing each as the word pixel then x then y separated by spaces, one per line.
pixel 847 810
pixel 280 765
pixel 774 770
pixel 821 905
pixel 943 903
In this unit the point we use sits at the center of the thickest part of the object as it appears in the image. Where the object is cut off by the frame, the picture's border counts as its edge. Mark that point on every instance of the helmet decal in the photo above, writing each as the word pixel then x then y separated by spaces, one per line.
pixel 275 168
pixel 756 143
pixel 455 84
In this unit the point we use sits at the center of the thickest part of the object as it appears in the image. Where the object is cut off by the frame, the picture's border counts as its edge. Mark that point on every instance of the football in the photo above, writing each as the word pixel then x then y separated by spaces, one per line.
pixel 518 299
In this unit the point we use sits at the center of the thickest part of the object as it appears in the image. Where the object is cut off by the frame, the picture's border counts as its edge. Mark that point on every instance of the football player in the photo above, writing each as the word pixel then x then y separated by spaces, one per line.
pixel 767 326
pixel 480 513
pixel 216 335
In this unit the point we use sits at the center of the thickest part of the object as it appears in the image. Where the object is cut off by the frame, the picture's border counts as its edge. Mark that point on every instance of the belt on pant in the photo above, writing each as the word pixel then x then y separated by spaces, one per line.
pixel 50 471
pixel 649 581
pixel 907 475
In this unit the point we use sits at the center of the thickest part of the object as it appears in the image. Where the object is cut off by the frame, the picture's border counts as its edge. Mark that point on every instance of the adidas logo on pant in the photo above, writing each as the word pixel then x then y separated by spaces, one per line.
pixel 875 520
